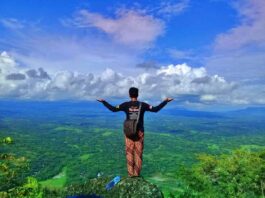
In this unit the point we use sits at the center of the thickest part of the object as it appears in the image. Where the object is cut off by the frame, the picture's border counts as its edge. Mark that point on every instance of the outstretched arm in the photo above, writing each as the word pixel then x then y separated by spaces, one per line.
pixel 160 106
pixel 109 106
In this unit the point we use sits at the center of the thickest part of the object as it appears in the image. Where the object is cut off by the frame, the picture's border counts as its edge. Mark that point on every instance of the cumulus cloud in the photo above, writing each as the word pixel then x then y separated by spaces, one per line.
pixel 15 76
pixel 7 64
pixel 207 97
pixel 181 81
pixel 204 80
pixel 247 95
pixel 40 73
pixel 129 27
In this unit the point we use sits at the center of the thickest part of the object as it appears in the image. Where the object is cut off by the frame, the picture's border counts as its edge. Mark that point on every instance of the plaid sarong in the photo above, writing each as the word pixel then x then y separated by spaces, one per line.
pixel 134 153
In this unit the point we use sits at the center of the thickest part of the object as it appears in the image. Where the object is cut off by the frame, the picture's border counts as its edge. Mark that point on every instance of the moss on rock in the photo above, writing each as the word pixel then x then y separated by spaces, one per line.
pixel 127 187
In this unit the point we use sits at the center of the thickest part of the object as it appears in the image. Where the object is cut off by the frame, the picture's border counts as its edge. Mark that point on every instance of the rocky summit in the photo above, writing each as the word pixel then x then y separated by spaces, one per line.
pixel 135 187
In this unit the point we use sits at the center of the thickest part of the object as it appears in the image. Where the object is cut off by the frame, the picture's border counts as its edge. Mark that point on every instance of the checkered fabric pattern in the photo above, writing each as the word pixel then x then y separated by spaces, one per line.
pixel 134 154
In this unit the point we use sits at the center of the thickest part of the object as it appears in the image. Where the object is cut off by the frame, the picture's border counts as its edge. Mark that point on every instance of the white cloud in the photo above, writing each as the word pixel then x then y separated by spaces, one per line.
pixel 167 8
pixel 63 52
pixel 129 27
pixel 183 70
pixel 147 65
pixel 251 29
pixel 239 53
pixel 247 95
pixel 179 54
pixel 238 65
pixel 192 85
pixel 207 97
pixel 7 64
pixel 12 23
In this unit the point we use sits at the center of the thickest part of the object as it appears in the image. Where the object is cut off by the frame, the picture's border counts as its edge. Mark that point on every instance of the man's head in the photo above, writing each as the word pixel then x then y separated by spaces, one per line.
pixel 133 92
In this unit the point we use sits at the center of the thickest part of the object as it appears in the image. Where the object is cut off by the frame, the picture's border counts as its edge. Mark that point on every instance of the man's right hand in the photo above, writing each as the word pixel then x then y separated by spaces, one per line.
pixel 100 100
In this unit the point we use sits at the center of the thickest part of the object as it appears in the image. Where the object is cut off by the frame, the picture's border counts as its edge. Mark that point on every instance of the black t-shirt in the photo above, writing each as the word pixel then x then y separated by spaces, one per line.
pixel 131 108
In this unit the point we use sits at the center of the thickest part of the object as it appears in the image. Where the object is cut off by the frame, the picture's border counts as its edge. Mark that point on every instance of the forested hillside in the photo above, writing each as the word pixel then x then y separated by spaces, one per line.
pixel 47 147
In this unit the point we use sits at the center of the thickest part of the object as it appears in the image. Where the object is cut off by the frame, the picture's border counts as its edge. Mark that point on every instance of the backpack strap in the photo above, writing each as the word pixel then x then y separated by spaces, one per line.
pixel 139 112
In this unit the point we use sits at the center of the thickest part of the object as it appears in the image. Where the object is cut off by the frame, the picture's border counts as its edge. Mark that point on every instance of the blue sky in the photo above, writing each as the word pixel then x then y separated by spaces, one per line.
pixel 183 30
pixel 203 53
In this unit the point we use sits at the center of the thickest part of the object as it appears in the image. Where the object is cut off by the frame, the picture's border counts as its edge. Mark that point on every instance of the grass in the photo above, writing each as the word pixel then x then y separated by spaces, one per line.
pixel 58 181
pixel 69 129
pixel 107 133
pixel 85 156
pixel 166 184
pixel 252 147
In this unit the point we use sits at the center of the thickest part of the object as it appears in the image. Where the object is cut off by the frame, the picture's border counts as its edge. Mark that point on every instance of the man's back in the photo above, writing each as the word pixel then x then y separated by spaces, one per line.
pixel 131 108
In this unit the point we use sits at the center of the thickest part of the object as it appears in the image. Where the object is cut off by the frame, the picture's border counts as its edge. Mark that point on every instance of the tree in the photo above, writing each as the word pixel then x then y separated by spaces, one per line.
pixel 239 174
pixel 12 182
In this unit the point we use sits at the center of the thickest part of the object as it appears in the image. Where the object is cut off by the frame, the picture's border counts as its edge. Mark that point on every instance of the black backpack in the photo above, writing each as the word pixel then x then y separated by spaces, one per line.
pixel 130 126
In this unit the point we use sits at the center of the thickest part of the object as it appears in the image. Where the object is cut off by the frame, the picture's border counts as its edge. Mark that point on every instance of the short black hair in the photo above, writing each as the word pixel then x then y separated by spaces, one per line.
pixel 133 92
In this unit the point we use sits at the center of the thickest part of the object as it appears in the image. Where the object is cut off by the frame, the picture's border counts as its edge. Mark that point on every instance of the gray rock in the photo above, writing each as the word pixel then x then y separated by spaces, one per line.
pixel 135 187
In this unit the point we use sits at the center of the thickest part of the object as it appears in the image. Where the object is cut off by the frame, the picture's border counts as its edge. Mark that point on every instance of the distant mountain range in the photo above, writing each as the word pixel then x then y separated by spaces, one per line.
pixel 15 107
pixel 250 111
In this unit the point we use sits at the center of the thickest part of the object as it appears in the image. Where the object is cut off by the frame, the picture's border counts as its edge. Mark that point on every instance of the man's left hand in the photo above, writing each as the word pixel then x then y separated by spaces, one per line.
pixel 169 99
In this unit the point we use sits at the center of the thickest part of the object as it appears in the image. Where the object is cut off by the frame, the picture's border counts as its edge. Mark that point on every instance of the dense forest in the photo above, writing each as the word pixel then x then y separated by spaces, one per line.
pixel 46 147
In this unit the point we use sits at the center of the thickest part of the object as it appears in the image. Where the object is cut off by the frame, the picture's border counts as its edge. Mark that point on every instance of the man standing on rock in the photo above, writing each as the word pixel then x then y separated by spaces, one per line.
pixel 134 146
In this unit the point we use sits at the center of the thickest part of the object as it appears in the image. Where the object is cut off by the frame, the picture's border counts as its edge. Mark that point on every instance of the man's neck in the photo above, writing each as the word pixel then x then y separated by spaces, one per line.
pixel 133 99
